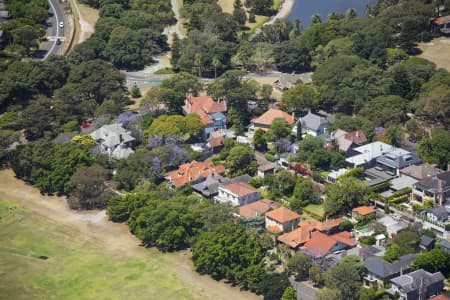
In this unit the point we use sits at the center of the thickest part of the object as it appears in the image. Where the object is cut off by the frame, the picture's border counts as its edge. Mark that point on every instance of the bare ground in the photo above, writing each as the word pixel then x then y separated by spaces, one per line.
pixel 95 226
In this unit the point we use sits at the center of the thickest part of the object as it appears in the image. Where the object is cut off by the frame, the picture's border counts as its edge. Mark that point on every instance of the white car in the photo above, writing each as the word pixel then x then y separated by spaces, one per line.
pixel 61 24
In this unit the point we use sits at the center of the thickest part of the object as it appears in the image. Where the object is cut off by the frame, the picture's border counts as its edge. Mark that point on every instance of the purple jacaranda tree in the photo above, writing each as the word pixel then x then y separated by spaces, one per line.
pixel 156 167
pixel 154 141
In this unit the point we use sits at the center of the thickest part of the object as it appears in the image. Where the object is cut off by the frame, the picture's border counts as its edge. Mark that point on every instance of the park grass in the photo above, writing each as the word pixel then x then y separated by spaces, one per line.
pixel 77 267
pixel 437 51
pixel 316 210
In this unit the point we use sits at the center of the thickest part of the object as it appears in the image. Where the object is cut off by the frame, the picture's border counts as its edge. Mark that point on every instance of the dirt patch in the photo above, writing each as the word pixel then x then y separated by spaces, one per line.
pixel 94 228
pixel 227 5
pixel 437 51
pixel 86 17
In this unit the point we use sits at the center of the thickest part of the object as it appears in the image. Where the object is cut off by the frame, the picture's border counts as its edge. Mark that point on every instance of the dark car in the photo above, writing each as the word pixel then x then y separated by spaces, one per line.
pixel 58 42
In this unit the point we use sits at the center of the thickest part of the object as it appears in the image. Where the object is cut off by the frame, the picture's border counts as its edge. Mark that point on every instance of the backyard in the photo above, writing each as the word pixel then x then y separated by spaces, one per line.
pixel 50 252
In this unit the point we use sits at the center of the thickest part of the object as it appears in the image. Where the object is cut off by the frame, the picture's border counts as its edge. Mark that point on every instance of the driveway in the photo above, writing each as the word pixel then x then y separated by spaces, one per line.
pixel 304 291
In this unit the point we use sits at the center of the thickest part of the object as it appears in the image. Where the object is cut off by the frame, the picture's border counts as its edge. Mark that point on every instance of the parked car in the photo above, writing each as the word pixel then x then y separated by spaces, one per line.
pixel 61 24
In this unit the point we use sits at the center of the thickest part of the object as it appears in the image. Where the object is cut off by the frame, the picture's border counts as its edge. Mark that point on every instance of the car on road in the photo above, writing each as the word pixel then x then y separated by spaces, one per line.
pixel 61 24
pixel 58 42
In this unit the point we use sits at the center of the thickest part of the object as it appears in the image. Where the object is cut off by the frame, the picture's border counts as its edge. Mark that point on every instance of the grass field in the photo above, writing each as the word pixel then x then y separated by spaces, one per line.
pixel 315 209
pixel 437 51
pixel 88 256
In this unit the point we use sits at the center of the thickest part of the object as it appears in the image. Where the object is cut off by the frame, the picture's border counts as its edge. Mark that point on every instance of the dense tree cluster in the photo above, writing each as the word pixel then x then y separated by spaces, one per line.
pixel 128 33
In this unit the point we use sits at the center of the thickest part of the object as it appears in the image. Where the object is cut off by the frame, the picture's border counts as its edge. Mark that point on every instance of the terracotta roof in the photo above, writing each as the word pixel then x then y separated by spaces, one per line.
pixel 296 237
pixel 321 226
pixel 204 105
pixel 321 244
pixel 257 208
pixel 191 172
pixel 272 114
pixel 274 229
pixel 282 215
pixel 364 210
pixel 441 20
pixel 240 188
pixel 216 141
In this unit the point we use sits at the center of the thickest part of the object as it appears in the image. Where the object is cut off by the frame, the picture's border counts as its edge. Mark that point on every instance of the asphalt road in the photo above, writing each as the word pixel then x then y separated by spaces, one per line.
pixel 50 47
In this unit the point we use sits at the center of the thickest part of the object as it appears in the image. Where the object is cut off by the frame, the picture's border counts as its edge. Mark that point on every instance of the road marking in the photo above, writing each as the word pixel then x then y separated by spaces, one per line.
pixel 54 38
pixel 57 30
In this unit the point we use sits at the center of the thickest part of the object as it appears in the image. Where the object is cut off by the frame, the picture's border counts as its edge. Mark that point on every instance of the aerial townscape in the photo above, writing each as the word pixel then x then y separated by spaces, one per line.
pixel 225 149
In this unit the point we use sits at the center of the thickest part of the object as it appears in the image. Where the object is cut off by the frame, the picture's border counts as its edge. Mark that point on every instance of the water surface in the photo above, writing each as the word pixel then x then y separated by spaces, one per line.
pixel 304 9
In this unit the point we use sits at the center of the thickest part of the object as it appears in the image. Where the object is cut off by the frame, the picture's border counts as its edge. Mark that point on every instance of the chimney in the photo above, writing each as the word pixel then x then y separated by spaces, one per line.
pixel 357 133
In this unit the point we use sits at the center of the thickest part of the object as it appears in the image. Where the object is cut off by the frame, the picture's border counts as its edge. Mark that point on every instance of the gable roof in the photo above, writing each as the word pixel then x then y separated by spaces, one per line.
pixel 432 183
pixel 364 210
pixel 296 237
pixel 210 186
pixel 313 121
pixel 417 279
pixel 112 135
pixel 240 188
pixel 426 241
pixel 269 116
pixel 444 244
pixel 383 269
pixel 321 244
pixel 282 215
pixel 203 106
pixel 257 208
pixel 192 171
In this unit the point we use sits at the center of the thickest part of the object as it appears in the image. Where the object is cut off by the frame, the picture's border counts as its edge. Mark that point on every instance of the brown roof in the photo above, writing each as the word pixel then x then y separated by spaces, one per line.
pixel 358 137
pixel 272 114
pixel 364 210
pixel 267 167
pixel 240 188
pixel 217 139
pixel 282 215
pixel 421 171
pixel 190 172
pixel 257 208
pixel 204 105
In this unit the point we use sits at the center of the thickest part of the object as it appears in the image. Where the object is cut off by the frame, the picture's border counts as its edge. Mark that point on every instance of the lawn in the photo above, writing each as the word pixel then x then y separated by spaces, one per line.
pixel 315 210
pixel 88 256
pixel 437 51
pixel 76 268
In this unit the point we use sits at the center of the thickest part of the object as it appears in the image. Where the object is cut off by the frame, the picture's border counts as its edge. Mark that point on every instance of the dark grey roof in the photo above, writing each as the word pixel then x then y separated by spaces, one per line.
pixel 369 251
pixel 313 121
pixel 426 241
pixel 444 244
pixel 398 160
pixel 210 186
pixel 414 280
pixel 383 269
pixel 440 212
pixel 431 183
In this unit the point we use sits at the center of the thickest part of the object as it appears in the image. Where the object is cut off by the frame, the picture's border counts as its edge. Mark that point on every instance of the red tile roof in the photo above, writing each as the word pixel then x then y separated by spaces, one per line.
pixel 439 297
pixel 190 172
pixel 296 237
pixel 257 208
pixel 321 226
pixel 364 210
pixel 202 106
pixel 240 188
pixel 272 114
pixel 321 244
pixel 282 215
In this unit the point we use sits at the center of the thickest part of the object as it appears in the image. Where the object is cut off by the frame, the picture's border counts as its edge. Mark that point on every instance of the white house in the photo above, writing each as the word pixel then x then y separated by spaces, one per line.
pixel 237 193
